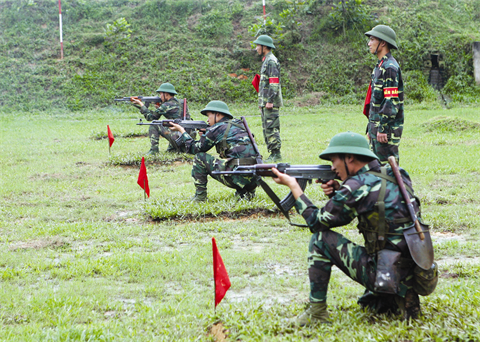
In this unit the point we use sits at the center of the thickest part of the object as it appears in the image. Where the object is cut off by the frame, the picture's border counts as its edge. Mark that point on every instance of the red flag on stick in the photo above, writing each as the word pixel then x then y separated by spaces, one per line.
pixel 111 139
pixel 366 106
pixel 143 179
pixel 256 82
pixel 220 275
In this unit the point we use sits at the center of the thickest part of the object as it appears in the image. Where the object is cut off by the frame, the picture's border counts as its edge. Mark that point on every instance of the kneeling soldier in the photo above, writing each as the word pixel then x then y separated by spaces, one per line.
pixel 170 108
pixel 232 143
pixel 384 266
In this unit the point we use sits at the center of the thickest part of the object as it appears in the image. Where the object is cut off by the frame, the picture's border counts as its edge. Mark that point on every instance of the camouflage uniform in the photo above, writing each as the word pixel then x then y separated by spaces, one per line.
pixel 270 91
pixel 170 110
pixel 386 108
pixel 357 197
pixel 234 149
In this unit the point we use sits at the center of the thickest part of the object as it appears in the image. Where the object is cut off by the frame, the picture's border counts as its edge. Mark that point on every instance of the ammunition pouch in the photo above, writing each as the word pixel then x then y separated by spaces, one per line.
pixel 387 278
pixel 425 281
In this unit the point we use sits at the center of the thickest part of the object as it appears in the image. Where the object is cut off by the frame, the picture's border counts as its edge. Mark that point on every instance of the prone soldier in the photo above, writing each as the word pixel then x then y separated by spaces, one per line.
pixel 230 138
pixel 385 266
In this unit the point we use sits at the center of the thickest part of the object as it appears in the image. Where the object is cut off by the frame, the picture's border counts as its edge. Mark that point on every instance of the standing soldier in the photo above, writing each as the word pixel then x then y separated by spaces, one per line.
pixel 270 97
pixel 385 266
pixel 384 102
pixel 232 143
pixel 170 108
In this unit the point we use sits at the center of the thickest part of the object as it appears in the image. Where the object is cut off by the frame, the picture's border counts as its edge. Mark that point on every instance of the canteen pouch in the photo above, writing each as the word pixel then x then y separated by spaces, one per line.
pixel 387 279
pixel 425 281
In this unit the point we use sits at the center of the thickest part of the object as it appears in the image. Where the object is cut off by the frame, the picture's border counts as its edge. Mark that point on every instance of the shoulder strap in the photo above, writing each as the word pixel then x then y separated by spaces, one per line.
pixel 381 209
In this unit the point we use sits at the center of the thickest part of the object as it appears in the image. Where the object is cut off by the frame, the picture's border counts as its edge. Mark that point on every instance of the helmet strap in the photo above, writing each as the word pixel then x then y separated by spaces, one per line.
pixel 346 167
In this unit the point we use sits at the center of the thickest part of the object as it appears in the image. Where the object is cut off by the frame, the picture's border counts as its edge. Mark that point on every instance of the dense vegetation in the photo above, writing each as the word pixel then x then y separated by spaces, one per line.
pixel 128 47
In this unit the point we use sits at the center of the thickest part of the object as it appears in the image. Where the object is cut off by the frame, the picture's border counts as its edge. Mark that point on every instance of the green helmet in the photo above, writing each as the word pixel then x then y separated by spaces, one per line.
pixel 217 106
pixel 167 88
pixel 385 33
pixel 265 41
pixel 350 143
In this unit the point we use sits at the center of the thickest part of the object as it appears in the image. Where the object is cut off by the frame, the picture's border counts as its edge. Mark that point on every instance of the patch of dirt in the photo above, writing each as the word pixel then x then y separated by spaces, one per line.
pixel 218 332
pixel 312 99
pixel 39 244
pixel 446 236
pixel 448 275
pixel 249 214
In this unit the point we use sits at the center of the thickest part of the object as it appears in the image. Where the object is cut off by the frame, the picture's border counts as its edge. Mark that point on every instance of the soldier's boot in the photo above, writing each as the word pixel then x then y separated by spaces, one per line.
pixel 316 313
pixel 409 306
pixel 154 148
pixel 274 157
pixel 245 194
pixel 200 194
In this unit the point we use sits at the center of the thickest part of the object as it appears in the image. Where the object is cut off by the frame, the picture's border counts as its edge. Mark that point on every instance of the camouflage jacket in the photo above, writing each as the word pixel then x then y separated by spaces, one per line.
pixel 237 143
pixel 169 109
pixel 269 88
pixel 357 197
pixel 386 103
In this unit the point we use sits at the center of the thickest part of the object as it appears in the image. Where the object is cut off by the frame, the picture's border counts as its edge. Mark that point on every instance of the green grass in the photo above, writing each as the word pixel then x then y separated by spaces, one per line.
pixel 85 258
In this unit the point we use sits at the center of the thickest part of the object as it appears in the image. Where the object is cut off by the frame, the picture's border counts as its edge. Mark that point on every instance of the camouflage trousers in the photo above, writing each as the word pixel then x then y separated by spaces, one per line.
pixel 385 150
pixel 204 164
pixel 271 128
pixel 328 248
pixel 157 131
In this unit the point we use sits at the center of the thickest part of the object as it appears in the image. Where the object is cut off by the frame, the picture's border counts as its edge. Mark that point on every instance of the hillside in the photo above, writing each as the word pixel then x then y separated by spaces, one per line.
pixel 199 45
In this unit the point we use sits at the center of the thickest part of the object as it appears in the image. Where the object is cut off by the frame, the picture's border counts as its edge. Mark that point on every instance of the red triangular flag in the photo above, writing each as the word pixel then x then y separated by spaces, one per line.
pixel 220 275
pixel 111 139
pixel 142 178
pixel 256 81
pixel 368 98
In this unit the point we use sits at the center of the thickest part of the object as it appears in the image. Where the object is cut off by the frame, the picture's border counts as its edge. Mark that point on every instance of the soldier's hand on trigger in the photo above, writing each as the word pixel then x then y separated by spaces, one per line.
pixel 135 100
pixel 176 127
pixel 201 132
pixel 330 187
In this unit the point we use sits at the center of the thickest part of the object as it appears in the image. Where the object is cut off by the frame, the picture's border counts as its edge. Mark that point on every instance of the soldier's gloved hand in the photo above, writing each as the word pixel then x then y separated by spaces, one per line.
pixel 330 187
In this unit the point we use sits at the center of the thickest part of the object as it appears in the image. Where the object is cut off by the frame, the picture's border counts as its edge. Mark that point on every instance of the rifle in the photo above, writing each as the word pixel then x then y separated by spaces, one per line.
pixel 304 174
pixel 187 124
pixel 145 99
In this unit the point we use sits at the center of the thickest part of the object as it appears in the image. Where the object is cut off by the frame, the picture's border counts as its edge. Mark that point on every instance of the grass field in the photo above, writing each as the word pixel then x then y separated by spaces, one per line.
pixel 85 258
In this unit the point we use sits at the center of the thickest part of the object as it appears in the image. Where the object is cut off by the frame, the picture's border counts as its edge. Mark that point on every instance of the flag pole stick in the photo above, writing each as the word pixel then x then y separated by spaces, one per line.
pixel 264 15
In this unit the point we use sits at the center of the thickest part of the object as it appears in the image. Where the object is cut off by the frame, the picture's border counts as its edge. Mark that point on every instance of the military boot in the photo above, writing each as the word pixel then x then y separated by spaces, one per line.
pixel 274 157
pixel 200 193
pixel 409 306
pixel 153 150
pixel 245 194
pixel 316 313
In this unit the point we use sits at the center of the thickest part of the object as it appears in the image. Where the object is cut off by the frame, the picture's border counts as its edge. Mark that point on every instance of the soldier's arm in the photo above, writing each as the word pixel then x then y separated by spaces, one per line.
pixel 340 210
pixel 206 142
pixel 391 103
pixel 150 116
